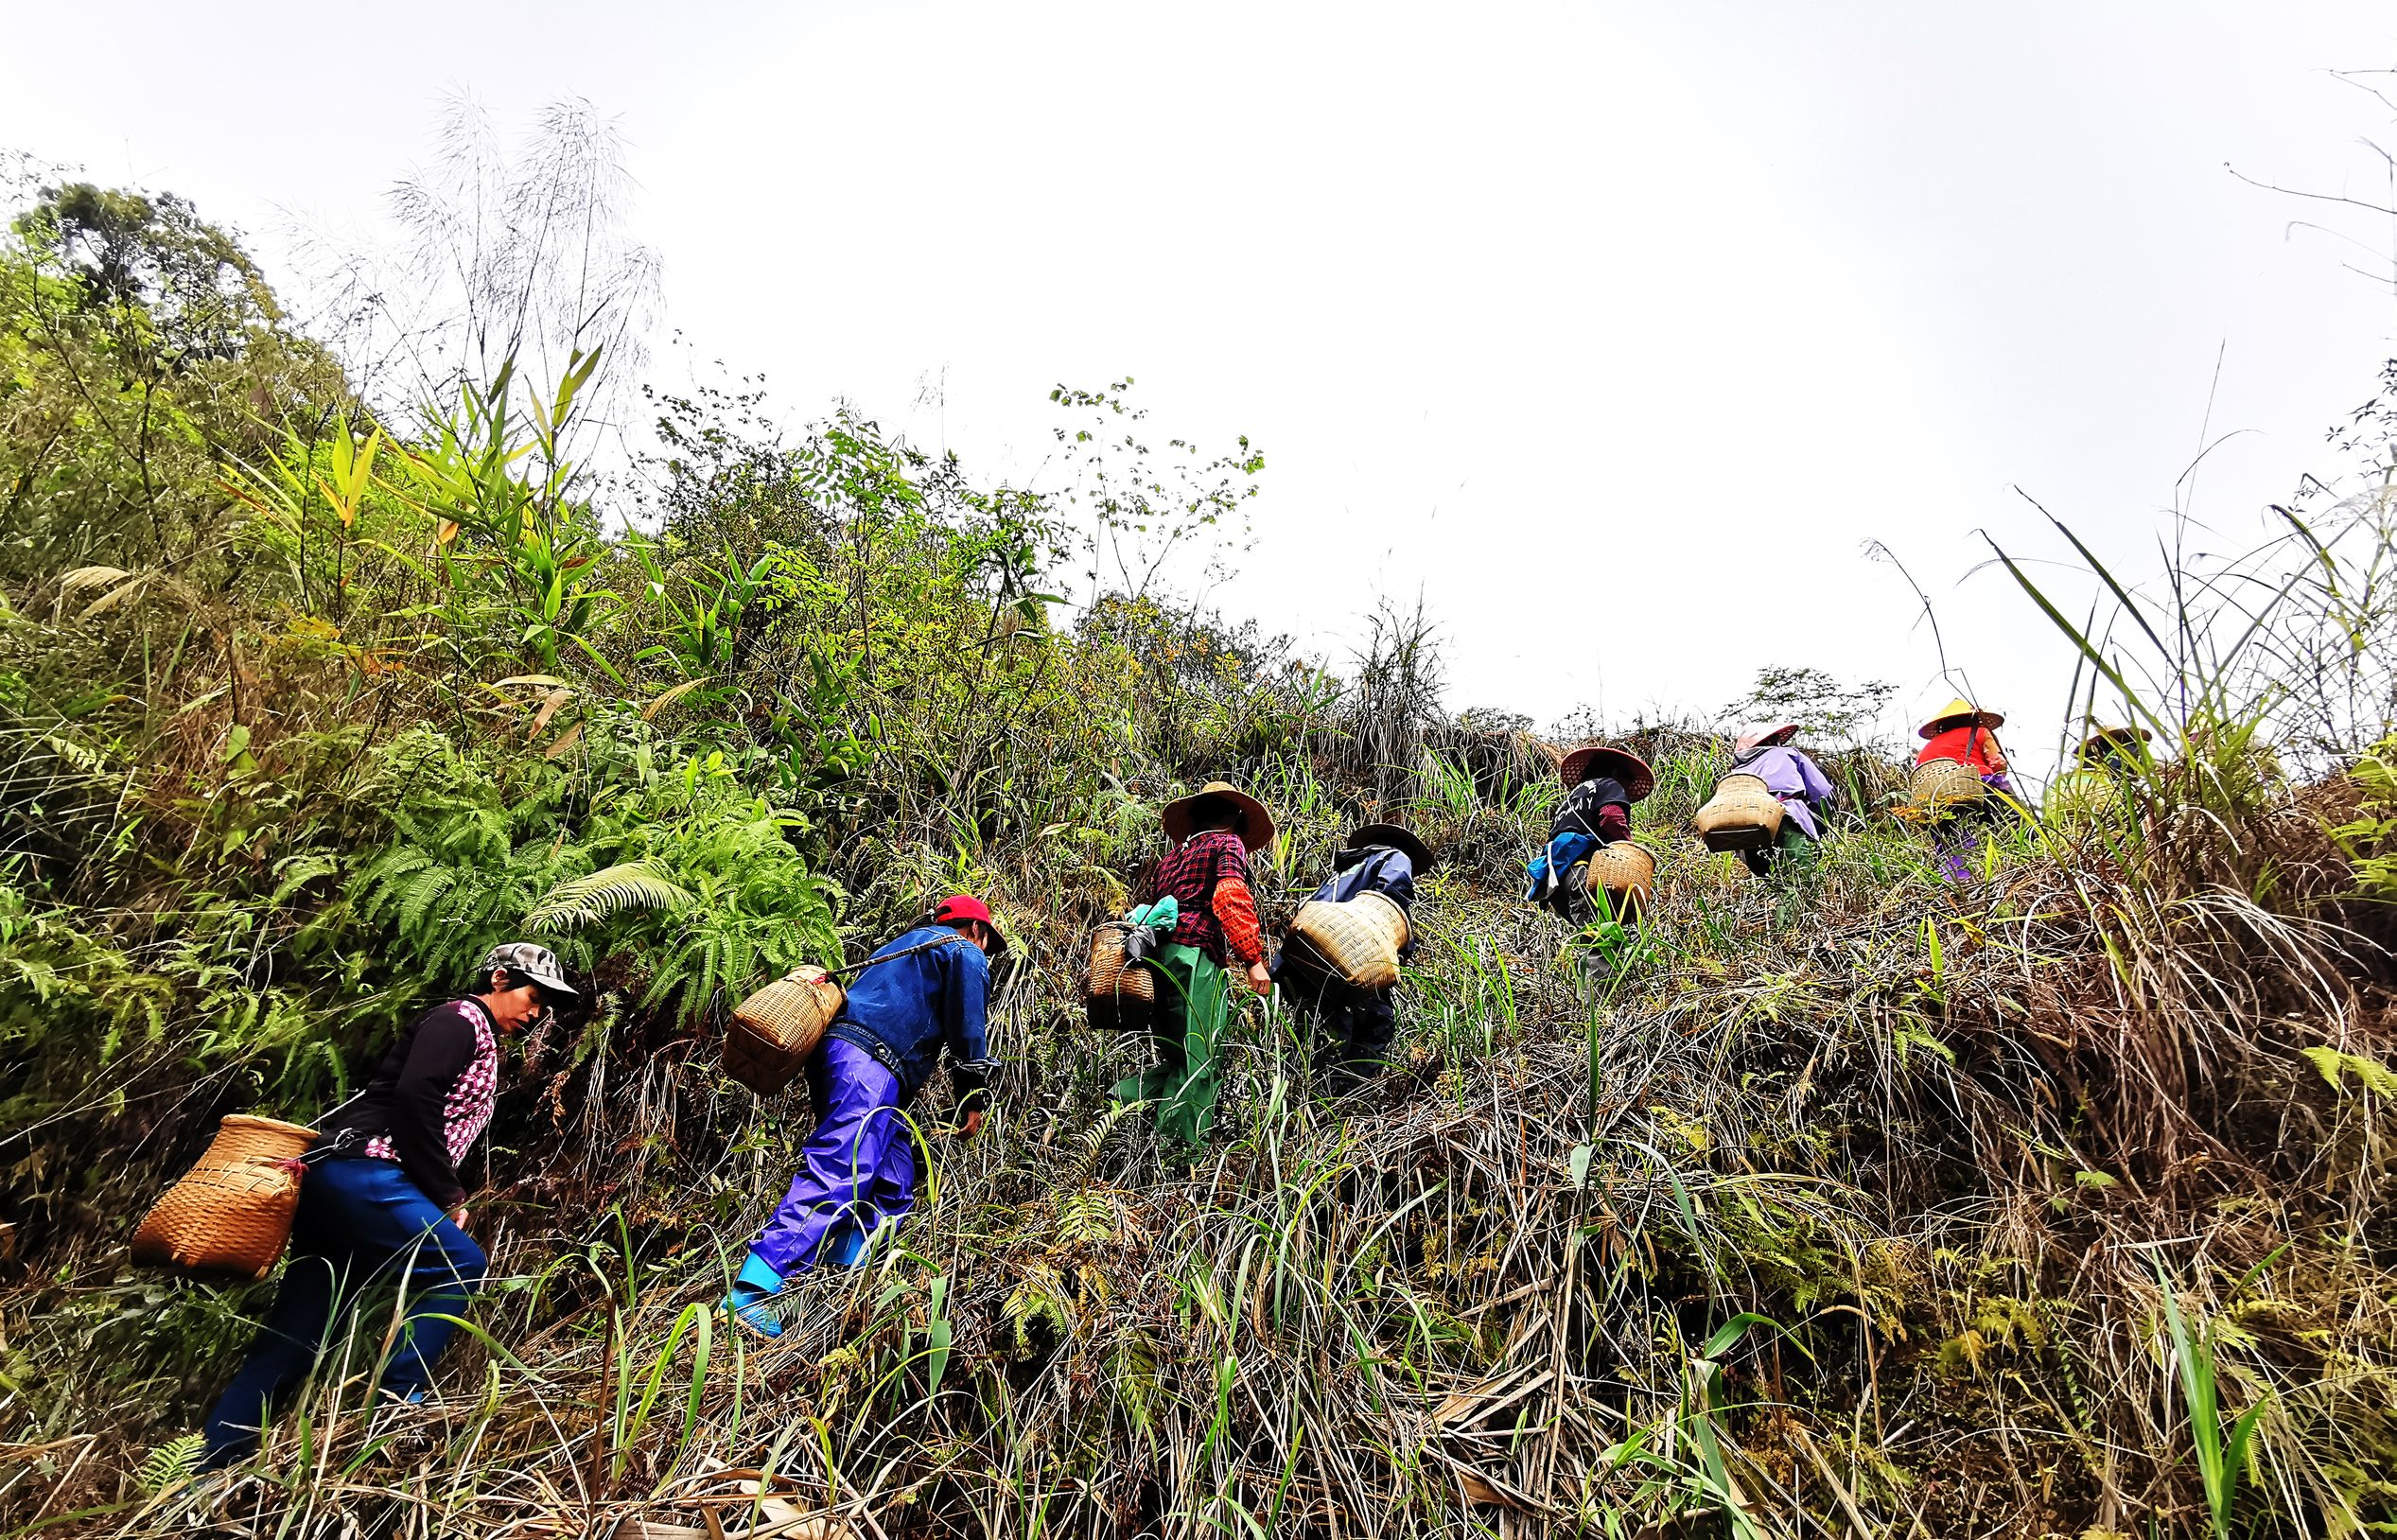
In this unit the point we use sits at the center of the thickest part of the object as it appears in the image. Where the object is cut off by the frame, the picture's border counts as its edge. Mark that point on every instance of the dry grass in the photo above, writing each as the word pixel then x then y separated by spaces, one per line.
pixel 1938 1141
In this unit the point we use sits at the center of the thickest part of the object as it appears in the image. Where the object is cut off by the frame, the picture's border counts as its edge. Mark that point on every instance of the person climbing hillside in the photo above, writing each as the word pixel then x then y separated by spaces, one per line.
pixel 1604 784
pixel 1806 795
pixel 1356 1026
pixel 2115 751
pixel 1966 734
pixel 1206 872
pixel 857 1169
pixel 383 1200
pixel 2110 761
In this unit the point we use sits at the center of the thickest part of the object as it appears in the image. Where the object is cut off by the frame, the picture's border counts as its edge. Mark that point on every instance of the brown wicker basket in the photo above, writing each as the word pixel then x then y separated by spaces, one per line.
pixel 1743 814
pixel 776 1029
pixel 1625 873
pixel 1355 942
pixel 230 1216
pixel 1119 995
pixel 1944 786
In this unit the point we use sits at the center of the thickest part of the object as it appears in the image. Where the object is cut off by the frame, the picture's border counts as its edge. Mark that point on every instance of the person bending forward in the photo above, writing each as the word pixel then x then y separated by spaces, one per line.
pixel 1358 1025
pixel 857 1170
pixel 383 1200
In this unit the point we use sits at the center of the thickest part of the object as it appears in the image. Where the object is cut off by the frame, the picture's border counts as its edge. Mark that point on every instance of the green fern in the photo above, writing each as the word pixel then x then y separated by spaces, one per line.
pixel 582 901
pixel 176 1460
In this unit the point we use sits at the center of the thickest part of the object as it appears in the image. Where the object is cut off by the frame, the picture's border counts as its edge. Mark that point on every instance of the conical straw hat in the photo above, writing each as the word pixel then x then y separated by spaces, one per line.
pixel 2105 736
pixel 1398 837
pixel 1256 833
pixel 1621 763
pixel 1957 710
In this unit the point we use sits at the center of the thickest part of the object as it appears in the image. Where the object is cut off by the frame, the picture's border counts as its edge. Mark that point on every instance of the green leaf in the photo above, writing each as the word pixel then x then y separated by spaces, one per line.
pixel 587 901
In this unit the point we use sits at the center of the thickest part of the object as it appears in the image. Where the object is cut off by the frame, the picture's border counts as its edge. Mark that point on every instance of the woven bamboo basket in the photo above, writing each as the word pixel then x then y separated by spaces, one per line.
pixel 1743 814
pixel 776 1029
pixel 230 1216
pixel 1625 873
pixel 1355 942
pixel 1944 786
pixel 1118 994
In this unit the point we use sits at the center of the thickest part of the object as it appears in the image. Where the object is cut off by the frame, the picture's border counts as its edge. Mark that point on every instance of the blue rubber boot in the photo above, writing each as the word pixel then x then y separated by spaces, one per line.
pixel 751 1299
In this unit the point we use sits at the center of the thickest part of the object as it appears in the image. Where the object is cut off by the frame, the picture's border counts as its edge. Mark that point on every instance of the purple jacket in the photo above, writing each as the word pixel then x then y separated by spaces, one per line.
pixel 1788 774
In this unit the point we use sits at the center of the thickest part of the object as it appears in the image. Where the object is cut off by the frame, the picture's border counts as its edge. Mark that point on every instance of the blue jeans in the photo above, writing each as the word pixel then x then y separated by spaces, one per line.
pixel 857 1170
pixel 361 1222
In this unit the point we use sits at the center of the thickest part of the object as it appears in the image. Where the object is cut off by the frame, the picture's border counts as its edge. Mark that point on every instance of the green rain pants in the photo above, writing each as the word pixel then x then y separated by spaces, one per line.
pixel 1192 1012
pixel 1790 848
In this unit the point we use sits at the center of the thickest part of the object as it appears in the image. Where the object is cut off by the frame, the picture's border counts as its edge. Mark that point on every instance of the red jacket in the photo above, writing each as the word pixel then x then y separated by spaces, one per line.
pixel 1971 744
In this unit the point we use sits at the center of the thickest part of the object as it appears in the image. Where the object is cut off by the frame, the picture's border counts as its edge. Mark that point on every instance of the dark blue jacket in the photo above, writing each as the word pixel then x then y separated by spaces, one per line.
pixel 905 1011
pixel 1383 871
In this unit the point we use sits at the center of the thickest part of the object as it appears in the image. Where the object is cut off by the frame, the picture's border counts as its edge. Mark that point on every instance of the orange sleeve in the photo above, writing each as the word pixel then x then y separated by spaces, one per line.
pixel 1237 912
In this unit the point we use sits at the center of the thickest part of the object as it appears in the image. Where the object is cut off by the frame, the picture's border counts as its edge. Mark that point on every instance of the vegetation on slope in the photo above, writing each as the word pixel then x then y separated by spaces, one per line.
pixel 1848 1202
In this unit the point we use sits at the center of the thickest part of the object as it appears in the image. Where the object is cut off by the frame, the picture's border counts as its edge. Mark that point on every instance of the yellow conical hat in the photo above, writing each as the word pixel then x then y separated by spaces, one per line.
pixel 1955 712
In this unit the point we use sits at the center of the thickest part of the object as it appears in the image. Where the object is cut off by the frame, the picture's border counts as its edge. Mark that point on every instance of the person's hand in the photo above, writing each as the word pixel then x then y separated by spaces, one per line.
pixel 458 1216
pixel 1260 978
pixel 971 1125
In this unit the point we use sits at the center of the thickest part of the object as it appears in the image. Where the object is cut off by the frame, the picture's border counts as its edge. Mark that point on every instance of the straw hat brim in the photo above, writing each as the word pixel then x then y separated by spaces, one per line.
pixel 1958 711
pixel 1770 738
pixel 1625 766
pixel 1256 831
pixel 2115 735
pixel 1397 837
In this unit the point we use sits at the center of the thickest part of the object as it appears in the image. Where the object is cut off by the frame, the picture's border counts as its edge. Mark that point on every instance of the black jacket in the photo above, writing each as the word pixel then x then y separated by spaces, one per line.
pixel 428 1100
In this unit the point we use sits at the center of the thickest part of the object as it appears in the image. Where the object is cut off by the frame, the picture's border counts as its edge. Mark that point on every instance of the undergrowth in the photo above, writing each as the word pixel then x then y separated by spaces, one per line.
pixel 1849 1200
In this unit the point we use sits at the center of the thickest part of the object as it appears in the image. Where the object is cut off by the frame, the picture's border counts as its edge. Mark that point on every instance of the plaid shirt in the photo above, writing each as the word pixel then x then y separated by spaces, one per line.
pixel 1213 865
pixel 431 1098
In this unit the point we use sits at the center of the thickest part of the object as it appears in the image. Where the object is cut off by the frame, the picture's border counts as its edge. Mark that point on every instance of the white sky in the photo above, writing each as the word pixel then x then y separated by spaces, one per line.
pixel 1615 330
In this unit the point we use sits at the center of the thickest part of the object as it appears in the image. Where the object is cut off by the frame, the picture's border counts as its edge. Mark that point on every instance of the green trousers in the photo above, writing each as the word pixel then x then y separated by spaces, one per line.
pixel 1193 1009
pixel 1789 848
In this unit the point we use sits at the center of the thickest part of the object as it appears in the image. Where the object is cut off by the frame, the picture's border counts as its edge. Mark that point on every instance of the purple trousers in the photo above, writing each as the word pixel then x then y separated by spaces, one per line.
pixel 856 1170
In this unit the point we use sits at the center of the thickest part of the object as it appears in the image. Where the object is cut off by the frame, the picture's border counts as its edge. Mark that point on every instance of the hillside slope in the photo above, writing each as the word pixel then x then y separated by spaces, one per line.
pixel 1853 1201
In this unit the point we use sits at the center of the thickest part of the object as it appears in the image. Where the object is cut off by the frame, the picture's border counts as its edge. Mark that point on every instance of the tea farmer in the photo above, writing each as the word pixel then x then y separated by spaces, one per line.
pixel 1358 1026
pixel 1603 783
pixel 1967 735
pixel 857 1170
pixel 383 1200
pixel 1206 873
pixel 2115 751
pixel 2107 758
pixel 1795 779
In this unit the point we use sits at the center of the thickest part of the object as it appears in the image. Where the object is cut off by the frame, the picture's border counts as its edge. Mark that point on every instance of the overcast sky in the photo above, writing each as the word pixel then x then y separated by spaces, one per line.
pixel 1615 331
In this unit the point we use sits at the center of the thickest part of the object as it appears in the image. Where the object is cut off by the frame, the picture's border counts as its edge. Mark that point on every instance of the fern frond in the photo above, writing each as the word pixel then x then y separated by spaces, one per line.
pixel 176 1460
pixel 587 901
pixel 298 872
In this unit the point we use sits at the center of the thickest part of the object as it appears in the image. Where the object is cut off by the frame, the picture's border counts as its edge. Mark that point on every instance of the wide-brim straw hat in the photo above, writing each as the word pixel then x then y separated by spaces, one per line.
pixel 1958 710
pixel 2104 736
pixel 1625 766
pixel 1398 837
pixel 1257 833
pixel 1768 737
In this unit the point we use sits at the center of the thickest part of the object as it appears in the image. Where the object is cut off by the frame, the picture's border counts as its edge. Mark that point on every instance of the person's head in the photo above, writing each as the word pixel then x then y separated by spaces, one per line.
pixel 969 918
pixel 520 982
